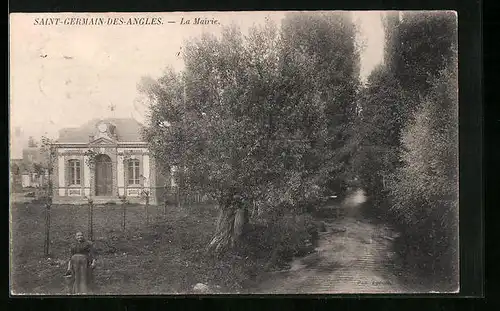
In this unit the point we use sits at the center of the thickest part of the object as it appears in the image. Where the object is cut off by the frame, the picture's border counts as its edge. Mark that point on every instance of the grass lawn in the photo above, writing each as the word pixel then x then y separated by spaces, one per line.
pixel 164 257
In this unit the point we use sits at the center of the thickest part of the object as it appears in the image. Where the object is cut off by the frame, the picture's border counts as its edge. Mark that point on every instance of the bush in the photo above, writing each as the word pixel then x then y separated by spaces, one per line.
pixel 277 242
pixel 424 189
pixel 377 208
pixel 267 246
pixel 429 246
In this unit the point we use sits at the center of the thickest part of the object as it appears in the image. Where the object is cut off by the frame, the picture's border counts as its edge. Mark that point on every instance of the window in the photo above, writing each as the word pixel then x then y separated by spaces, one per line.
pixel 133 172
pixel 74 172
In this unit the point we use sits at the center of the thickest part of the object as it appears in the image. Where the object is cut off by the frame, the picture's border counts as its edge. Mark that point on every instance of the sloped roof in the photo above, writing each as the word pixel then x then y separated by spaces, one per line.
pixel 127 130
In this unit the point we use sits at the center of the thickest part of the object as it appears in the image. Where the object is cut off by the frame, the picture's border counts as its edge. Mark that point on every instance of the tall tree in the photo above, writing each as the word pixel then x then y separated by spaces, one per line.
pixel 250 118
pixel 425 189
pixel 322 57
pixel 418 46
pixel 383 110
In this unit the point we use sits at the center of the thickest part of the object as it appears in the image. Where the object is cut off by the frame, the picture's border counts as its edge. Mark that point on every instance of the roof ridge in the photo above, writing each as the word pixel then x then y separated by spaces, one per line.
pixel 128 129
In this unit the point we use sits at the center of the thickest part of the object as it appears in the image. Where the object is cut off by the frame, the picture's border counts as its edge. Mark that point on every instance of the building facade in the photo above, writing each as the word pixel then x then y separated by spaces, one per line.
pixel 105 160
pixel 31 170
pixel 16 184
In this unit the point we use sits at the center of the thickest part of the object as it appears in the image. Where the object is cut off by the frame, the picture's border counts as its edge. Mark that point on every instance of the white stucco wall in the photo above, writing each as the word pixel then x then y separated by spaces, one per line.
pixel 86 176
pixel 138 152
pixel 61 168
pixel 145 169
pixel 25 180
pixel 121 175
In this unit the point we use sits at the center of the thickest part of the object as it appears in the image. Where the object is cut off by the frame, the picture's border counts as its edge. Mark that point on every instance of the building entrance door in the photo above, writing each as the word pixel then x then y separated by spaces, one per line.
pixel 103 175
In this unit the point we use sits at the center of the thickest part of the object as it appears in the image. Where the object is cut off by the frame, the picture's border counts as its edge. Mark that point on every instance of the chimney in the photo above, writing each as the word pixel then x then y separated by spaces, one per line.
pixel 91 138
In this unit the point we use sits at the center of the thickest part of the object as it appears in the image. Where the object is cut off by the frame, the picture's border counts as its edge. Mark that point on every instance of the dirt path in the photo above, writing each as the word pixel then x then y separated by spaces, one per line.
pixel 352 257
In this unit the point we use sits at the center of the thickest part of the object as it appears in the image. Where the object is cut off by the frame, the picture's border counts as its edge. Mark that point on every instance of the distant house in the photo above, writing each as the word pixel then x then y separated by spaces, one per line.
pixel 123 164
pixel 15 174
pixel 24 172
pixel 32 177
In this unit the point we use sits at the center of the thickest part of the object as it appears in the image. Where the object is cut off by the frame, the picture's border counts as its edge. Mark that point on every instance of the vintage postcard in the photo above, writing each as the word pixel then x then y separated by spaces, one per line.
pixel 233 152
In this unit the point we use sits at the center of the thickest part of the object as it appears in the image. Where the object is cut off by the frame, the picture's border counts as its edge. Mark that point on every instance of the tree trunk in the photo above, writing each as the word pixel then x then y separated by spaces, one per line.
pixel 231 225
pixel 240 222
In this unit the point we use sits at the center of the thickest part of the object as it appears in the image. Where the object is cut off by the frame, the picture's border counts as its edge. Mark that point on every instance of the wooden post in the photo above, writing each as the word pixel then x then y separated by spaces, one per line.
pixel 91 220
pixel 47 146
pixel 124 220
pixel 46 247
pixel 124 211
pixel 165 201
pixel 91 154
pixel 147 206
pixel 178 195
pixel 145 193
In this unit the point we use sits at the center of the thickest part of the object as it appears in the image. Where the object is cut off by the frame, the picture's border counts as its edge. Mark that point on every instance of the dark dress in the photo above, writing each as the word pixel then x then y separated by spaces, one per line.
pixel 82 254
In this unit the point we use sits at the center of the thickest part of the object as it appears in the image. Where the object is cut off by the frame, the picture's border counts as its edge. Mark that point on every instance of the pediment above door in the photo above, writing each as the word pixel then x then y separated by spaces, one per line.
pixel 102 141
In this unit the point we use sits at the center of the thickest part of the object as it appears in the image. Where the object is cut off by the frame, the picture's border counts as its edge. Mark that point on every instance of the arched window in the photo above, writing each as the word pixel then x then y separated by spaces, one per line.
pixel 133 172
pixel 74 172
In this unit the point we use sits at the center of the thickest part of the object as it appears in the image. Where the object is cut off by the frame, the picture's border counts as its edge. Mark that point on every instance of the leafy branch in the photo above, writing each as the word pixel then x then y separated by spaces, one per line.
pixel 90 158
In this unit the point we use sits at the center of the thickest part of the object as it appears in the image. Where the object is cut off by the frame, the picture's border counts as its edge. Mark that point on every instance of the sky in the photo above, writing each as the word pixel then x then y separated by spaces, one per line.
pixel 64 75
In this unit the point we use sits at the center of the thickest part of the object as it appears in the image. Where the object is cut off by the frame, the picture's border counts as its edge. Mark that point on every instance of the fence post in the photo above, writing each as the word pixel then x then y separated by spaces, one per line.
pixel 124 221
pixel 90 162
pixel 91 219
pixel 147 208
pixel 165 201
pixel 178 195
pixel 146 195
pixel 46 246
pixel 124 211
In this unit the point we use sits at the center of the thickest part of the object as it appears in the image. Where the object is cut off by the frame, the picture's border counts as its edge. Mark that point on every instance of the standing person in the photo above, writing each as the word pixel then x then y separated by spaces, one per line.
pixel 81 266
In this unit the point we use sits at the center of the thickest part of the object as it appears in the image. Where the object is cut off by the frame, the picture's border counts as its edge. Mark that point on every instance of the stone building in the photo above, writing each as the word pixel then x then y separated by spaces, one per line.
pixel 122 164
pixel 24 171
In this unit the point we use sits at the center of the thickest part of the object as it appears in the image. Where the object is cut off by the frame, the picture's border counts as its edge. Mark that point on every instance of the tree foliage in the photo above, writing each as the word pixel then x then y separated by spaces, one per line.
pixel 425 189
pixel 383 110
pixel 431 146
pixel 418 46
pixel 421 52
pixel 257 117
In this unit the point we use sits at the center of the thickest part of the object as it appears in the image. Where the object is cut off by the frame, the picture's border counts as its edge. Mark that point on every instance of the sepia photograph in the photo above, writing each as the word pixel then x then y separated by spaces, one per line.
pixel 250 152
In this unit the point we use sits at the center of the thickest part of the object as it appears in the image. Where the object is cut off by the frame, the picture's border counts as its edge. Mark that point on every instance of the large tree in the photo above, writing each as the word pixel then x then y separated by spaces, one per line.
pixel 425 189
pixel 254 118
pixel 422 55
pixel 322 57
pixel 418 46
pixel 383 110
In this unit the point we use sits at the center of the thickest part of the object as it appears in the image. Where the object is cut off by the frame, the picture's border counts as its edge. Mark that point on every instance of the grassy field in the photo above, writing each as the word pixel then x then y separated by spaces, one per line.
pixel 165 256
